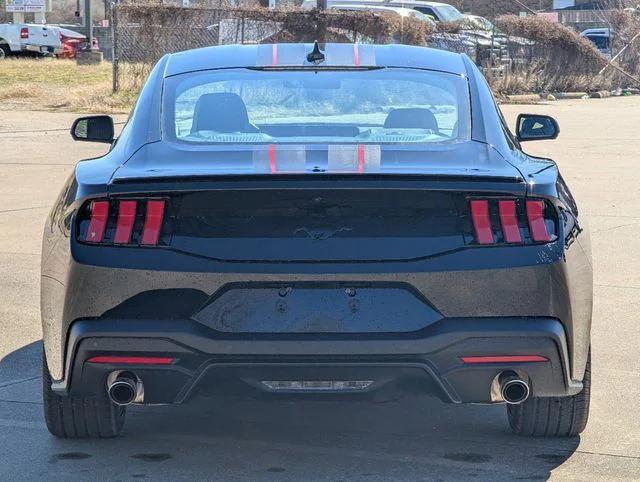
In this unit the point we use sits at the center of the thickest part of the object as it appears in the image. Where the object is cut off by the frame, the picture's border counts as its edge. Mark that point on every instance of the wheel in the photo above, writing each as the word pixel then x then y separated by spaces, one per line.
pixel 79 417
pixel 553 416
pixel 4 51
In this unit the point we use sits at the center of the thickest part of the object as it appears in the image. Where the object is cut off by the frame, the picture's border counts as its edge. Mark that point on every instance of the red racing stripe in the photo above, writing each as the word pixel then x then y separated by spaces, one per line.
pixel 360 158
pixel 272 158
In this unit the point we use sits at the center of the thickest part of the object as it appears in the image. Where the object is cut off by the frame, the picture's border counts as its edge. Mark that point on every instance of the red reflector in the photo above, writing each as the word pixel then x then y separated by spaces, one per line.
pixel 481 221
pixel 509 221
pixel 153 222
pixel 24 33
pixel 132 360
pixel 274 55
pixel 503 359
pixel 126 218
pixel 537 226
pixel 356 55
pixel 98 223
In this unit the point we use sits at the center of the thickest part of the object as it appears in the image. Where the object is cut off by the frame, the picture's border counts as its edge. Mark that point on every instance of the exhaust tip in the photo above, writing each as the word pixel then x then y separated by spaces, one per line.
pixel 123 390
pixel 514 390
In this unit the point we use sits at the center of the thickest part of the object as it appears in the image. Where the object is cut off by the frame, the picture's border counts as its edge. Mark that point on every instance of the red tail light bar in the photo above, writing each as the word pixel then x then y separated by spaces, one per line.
pixel 512 221
pixel 24 33
pixel 475 360
pixel 124 222
pixel 132 360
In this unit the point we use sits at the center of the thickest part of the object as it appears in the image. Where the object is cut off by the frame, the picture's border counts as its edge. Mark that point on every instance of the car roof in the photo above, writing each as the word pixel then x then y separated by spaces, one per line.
pixel 386 8
pixel 294 55
pixel 596 31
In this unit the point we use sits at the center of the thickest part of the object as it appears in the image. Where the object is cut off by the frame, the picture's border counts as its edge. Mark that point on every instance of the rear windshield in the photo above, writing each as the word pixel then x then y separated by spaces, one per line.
pixel 383 106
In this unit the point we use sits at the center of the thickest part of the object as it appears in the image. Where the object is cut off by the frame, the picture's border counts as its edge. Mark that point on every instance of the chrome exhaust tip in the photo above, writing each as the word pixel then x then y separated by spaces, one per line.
pixel 123 390
pixel 514 390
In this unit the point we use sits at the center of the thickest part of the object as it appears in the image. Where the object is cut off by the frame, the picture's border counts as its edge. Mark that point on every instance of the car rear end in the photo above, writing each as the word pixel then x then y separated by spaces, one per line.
pixel 40 39
pixel 339 231
pixel 344 287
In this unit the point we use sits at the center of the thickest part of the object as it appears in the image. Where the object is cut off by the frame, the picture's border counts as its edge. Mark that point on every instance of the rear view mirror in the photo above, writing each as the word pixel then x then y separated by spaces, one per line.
pixel 97 128
pixel 533 127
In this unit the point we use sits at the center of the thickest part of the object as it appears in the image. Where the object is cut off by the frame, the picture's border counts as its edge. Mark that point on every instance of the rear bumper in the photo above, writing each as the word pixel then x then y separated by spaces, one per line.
pixel 42 49
pixel 428 360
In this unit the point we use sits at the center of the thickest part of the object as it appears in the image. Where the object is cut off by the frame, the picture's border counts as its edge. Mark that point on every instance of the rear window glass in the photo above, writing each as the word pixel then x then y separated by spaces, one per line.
pixel 305 106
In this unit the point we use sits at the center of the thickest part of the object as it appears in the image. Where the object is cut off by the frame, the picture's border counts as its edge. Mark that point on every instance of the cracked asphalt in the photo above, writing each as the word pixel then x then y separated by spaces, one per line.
pixel 407 438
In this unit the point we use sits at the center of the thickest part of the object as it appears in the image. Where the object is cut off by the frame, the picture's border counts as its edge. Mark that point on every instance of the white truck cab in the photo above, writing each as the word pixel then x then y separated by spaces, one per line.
pixel 23 38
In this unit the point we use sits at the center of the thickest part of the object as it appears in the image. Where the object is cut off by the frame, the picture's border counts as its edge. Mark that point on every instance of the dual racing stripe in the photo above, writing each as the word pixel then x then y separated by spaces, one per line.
pixel 337 158
pixel 295 55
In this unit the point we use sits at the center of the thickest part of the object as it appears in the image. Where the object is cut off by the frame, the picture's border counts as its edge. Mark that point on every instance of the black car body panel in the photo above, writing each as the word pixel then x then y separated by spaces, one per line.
pixel 395 239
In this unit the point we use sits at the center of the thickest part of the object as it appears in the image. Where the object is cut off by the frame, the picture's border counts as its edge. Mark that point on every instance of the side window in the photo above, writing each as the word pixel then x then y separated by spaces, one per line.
pixel 427 11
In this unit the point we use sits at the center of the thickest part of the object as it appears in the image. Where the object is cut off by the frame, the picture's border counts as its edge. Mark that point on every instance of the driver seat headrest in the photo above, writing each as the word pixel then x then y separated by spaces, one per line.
pixel 221 112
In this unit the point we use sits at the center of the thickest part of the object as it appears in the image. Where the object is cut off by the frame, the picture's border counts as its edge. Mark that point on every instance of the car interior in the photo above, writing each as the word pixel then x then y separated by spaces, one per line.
pixel 207 118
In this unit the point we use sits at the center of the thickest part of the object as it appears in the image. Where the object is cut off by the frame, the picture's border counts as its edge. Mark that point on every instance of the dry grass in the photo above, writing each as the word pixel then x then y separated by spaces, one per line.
pixel 48 84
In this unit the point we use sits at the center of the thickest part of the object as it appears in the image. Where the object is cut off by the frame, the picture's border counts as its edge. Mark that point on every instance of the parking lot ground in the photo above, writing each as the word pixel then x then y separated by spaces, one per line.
pixel 404 438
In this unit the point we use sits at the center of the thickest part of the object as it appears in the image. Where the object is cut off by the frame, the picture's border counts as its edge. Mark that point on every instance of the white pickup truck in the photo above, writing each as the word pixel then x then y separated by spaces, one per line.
pixel 29 39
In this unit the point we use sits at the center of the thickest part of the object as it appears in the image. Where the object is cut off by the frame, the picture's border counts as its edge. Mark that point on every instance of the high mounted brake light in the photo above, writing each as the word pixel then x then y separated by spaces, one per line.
pixel 124 222
pixel 512 221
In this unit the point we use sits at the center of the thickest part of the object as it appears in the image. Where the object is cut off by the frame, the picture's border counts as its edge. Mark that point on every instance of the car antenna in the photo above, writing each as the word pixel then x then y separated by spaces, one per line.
pixel 316 56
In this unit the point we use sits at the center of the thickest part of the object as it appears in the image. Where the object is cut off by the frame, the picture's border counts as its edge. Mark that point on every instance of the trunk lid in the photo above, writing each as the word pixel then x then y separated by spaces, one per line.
pixel 405 205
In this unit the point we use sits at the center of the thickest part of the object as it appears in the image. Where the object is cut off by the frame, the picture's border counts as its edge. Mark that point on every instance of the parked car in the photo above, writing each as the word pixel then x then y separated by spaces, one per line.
pixel 439 12
pixel 445 41
pixel 400 11
pixel 477 22
pixel 283 220
pixel 601 38
pixel 27 39
pixel 72 42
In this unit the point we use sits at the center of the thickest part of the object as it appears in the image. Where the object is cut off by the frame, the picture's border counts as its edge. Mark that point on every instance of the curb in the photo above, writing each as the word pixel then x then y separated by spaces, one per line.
pixel 523 98
pixel 570 95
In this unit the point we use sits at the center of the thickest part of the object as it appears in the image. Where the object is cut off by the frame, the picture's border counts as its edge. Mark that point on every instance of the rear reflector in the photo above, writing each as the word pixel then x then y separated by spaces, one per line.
pixel 471 360
pixel 132 360
pixel 537 225
pixel 509 221
pixel 126 218
pixel 98 223
pixel 481 221
pixel 153 222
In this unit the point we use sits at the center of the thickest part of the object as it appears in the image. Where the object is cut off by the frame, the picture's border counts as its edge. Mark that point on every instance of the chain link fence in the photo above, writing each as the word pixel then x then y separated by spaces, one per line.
pixel 144 33
pixel 521 55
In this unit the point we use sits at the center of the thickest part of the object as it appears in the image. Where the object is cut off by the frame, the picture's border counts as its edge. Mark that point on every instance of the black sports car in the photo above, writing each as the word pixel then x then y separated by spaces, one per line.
pixel 316 220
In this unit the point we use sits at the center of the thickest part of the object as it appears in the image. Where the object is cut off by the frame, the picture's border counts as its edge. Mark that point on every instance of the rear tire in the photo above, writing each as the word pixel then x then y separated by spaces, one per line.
pixel 553 416
pixel 80 417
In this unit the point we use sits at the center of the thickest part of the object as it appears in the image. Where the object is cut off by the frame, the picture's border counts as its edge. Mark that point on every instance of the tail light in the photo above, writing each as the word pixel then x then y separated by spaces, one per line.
pixel 24 33
pixel 124 222
pixel 511 221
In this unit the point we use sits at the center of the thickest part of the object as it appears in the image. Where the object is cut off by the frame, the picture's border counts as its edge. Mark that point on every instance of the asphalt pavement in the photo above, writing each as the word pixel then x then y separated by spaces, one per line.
pixel 402 438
